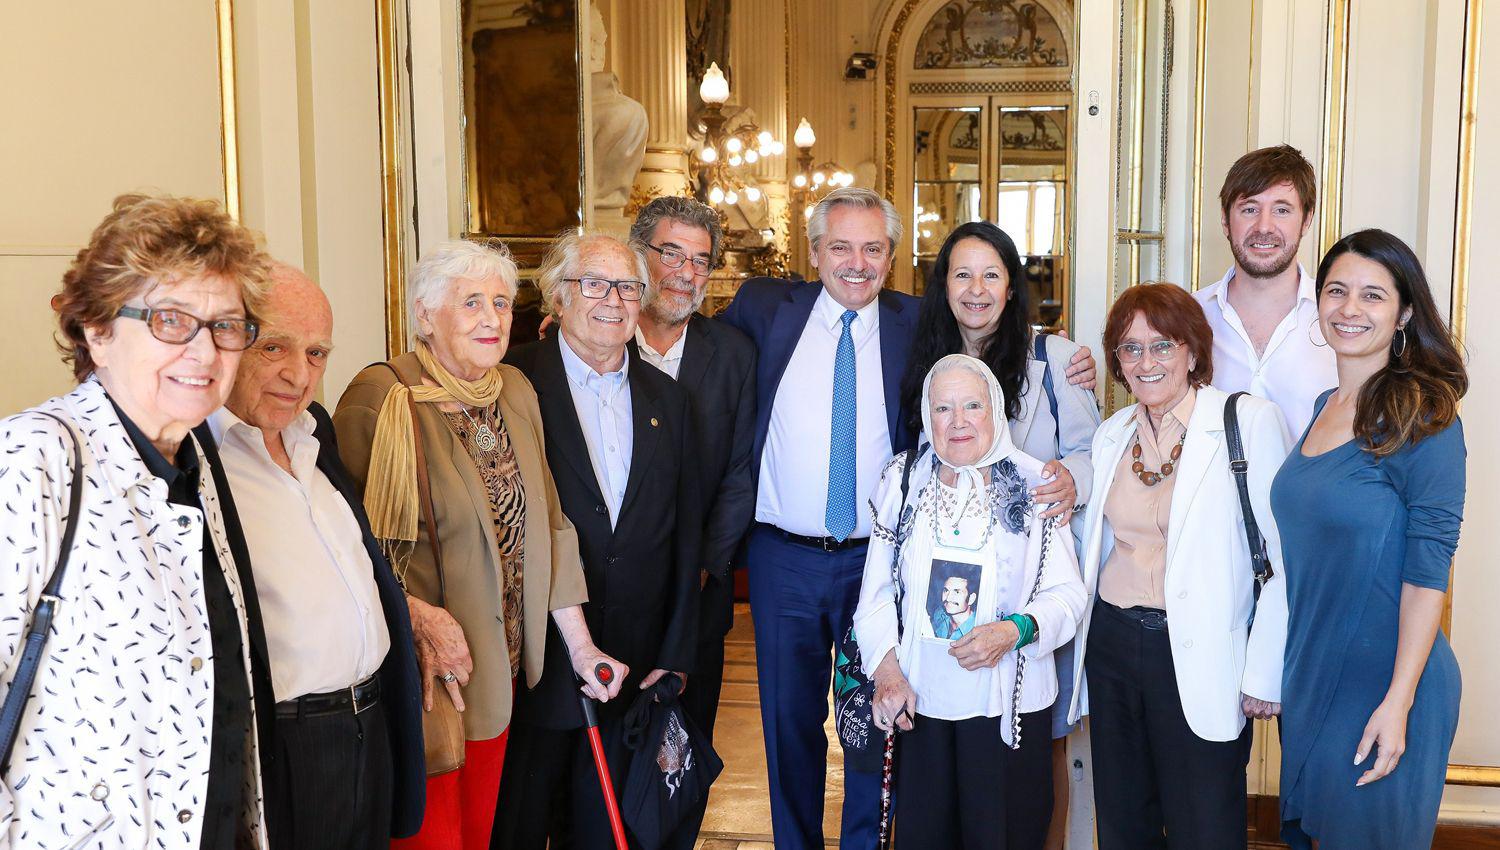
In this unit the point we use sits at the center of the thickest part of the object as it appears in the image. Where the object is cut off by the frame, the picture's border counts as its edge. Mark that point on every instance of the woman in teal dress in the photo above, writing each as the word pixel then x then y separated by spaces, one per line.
pixel 1369 505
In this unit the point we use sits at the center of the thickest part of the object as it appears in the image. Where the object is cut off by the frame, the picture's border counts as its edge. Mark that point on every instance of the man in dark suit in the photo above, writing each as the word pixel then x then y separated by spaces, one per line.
pixel 339 704
pixel 715 364
pixel 620 446
pixel 831 356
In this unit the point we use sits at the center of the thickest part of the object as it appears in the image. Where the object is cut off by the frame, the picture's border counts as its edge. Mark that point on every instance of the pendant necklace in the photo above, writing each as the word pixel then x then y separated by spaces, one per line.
pixel 1148 477
pixel 484 438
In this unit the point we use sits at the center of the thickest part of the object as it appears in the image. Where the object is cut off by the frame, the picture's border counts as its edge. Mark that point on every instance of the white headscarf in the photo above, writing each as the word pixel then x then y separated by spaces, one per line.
pixel 1001 447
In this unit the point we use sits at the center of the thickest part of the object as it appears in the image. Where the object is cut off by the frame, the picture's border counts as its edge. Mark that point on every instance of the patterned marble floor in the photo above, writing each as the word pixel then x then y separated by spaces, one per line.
pixel 739 807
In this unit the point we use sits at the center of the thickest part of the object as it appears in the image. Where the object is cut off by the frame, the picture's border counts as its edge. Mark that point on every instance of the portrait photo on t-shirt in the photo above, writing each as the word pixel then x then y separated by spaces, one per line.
pixel 952 600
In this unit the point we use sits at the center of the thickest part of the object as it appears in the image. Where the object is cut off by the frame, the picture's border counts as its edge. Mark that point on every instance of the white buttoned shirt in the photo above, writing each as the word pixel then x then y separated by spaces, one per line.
pixel 792 493
pixel 1298 364
pixel 669 361
pixel 603 405
pixel 324 623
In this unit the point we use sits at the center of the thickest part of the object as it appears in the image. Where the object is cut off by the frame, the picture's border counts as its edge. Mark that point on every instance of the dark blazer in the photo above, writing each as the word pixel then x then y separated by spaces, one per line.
pixel 642 575
pixel 773 313
pixel 401 688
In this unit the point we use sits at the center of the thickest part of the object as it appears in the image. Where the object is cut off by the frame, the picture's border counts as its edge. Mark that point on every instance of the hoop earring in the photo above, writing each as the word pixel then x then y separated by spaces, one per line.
pixel 1310 336
pixel 1397 352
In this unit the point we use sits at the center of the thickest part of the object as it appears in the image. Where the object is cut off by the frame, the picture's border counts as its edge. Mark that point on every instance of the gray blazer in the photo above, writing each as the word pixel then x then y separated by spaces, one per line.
pixel 1037 433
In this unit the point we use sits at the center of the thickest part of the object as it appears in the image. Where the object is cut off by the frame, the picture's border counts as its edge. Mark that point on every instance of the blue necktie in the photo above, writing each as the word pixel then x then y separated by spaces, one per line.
pixel 839 515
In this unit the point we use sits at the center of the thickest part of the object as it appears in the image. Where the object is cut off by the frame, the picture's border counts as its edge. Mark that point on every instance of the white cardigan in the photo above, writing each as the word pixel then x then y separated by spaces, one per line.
pixel 1208 582
pixel 113 748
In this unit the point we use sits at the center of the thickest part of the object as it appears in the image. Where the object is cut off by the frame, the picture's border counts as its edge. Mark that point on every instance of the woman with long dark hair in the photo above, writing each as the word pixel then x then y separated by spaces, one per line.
pixel 1369 506
pixel 977 304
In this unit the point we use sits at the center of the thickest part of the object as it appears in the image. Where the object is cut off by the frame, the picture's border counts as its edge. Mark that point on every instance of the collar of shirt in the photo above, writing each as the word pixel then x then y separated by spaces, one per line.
pixel 583 376
pixel 673 352
pixel 235 434
pixel 1306 288
pixel 830 314
pixel 180 474
pixel 1172 424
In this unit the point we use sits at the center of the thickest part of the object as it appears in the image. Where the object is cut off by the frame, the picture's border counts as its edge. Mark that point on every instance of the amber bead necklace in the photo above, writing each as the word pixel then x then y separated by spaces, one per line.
pixel 1147 476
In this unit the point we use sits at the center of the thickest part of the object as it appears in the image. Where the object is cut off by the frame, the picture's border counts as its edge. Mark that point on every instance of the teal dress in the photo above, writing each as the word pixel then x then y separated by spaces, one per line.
pixel 1354 529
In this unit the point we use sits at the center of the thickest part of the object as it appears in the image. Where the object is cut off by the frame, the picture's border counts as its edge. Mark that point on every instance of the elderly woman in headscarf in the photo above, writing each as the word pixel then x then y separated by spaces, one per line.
pixel 447 424
pixel 967 591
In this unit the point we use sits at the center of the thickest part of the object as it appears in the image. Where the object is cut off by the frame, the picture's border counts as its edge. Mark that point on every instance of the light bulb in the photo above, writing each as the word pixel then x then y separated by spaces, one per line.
pixel 765 138
pixel 804 138
pixel 807 212
pixel 752 194
pixel 731 197
pixel 708 154
pixel 926 234
pixel 714 89
pixel 799 181
pixel 818 178
pixel 752 155
pixel 715 195
pixel 733 144
pixel 777 148
pixel 735 160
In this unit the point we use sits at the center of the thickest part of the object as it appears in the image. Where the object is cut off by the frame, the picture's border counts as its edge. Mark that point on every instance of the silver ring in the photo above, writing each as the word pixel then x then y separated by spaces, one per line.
pixel 449 677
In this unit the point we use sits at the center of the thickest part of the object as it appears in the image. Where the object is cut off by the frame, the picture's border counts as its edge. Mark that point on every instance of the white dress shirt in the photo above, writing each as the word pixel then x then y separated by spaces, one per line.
pixel 325 626
pixel 669 361
pixel 793 489
pixel 604 409
pixel 1292 373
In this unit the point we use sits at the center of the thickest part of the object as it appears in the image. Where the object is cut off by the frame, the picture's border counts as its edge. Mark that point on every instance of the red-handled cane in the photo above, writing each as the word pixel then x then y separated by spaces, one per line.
pixel 604 673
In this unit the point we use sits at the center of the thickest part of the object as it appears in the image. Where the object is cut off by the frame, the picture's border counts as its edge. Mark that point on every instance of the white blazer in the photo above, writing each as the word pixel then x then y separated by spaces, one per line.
pixel 1209 579
pixel 113 748
pixel 1036 433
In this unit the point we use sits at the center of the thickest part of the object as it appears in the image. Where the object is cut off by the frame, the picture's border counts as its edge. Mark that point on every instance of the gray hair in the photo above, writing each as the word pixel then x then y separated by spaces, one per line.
pixel 565 259
pixel 457 260
pixel 852 196
pixel 682 210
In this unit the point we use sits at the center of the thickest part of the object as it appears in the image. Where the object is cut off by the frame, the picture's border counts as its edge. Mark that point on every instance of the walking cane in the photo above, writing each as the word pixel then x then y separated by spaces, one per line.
pixel 604 674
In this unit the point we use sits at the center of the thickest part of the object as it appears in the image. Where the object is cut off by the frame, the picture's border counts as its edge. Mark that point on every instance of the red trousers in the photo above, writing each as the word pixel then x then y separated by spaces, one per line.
pixel 461 804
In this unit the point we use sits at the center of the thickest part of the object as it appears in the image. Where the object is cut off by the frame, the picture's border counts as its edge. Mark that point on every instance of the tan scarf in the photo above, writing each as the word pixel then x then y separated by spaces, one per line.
pixel 391 491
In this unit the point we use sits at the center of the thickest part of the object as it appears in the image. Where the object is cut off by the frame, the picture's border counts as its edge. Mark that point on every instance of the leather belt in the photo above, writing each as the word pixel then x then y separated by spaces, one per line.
pixel 353 699
pixel 1151 619
pixel 827 544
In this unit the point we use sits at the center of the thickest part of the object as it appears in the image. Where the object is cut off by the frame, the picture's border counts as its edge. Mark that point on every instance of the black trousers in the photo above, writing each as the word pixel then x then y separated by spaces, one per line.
pixel 1156 784
pixel 329 787
pixel 959 785
pixel 549 789
pixel 700 702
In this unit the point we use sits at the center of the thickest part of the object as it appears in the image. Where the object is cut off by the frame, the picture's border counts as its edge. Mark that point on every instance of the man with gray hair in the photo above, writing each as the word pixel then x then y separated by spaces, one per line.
pixel 619 443
pixel 715 364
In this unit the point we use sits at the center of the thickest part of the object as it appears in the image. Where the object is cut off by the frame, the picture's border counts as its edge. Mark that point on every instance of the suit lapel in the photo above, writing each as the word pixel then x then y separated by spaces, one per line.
pixel 645 420
pixel 1106 461
pixel 564 434
pixel 786 328
pixel 1200 452
pixel 697 351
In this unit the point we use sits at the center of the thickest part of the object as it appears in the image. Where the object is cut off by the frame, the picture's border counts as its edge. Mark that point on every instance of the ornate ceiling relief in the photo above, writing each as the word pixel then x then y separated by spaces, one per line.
pixel 991 34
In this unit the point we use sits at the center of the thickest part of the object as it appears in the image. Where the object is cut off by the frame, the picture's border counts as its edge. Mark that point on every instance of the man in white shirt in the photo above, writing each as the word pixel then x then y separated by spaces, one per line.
pixel 345 770
pixel 1264 311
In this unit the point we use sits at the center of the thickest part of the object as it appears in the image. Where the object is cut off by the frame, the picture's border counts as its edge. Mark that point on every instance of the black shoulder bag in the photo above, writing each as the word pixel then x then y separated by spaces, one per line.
pixel 1260 561
pixel 41 618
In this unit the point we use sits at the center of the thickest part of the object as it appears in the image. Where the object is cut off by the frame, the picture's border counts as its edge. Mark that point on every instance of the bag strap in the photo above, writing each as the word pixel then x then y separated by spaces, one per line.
pixel 1039 350
pixel 41 617
pixel 1260 561
pixel 424 495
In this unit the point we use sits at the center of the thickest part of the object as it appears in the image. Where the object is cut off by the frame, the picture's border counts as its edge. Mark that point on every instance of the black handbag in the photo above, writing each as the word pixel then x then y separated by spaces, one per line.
pixel 41 617
pixel 671 768
pixel 853 691
pixel 1260 560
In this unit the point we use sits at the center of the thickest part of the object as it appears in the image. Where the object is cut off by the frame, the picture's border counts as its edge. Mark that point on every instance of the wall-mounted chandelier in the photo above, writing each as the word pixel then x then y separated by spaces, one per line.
pixel 719 164
pixel 812 182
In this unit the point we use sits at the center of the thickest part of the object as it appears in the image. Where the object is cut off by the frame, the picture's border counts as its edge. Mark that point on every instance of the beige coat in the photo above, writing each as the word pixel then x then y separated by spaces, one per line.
pixel 553 577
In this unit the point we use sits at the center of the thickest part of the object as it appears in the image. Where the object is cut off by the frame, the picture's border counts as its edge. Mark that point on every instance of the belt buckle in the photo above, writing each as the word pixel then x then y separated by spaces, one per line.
pixel 354 696
pixel 1154 620
pixel 830 545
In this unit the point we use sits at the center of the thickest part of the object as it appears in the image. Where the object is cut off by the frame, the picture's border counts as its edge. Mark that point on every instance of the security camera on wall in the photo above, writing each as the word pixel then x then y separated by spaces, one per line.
pixel 859 66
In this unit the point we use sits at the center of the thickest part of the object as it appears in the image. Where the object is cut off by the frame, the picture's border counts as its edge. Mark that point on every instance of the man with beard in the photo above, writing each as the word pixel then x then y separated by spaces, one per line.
pixel 716 365
pixel 1264 312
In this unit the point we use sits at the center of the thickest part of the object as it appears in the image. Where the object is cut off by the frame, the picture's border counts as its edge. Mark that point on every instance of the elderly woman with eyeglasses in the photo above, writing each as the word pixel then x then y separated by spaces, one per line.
pixel 140 727
pixel 1173 666
pixel 448 428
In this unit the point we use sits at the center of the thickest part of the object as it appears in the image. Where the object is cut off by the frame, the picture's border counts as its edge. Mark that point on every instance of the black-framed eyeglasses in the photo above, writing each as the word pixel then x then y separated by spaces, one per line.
pixel 1161 351
pixel 674 259
pixel 598 287
pixel 175 327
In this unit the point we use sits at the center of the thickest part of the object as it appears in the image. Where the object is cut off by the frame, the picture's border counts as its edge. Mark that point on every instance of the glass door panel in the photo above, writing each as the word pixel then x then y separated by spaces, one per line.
pixel 1031 201
pixel 947 184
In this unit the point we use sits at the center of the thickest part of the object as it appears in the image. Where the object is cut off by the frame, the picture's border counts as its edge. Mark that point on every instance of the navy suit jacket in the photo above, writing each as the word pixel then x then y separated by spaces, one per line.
pixel 400 683
pixel 773 313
